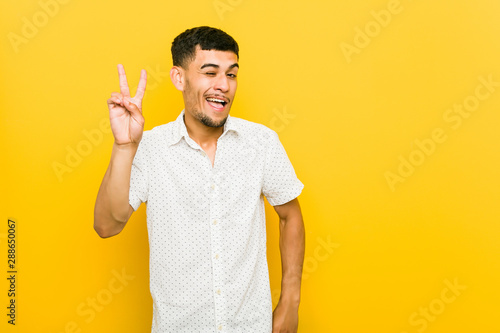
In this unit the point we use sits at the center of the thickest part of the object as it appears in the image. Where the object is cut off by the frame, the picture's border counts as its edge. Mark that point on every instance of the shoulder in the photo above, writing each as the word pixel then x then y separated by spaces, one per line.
pixel 252 131
pixel 157 134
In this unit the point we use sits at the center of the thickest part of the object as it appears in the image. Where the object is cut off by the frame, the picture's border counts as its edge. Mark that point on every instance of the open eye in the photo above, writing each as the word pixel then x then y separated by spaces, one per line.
pixel 233 76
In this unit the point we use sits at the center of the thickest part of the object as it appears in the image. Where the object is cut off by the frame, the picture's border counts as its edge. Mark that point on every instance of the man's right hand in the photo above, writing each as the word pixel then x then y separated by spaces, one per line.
pixel 125 112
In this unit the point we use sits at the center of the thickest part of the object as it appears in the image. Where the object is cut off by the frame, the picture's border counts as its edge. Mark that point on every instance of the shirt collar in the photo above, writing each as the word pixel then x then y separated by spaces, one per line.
pixel 179 129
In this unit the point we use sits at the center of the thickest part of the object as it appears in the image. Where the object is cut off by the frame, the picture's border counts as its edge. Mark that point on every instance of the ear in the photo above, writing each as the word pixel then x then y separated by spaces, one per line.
pixel 177 77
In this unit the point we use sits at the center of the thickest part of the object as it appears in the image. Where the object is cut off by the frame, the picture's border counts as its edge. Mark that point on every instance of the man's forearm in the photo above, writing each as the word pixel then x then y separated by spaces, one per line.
pixel 112 208
pixel 292 247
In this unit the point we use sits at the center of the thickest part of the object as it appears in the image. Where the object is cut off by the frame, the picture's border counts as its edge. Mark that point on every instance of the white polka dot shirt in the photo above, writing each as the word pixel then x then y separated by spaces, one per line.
pixel 206 225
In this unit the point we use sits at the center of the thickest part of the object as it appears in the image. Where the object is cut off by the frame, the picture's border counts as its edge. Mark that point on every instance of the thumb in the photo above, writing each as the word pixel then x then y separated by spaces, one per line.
pixel 135 112
pixel 131 106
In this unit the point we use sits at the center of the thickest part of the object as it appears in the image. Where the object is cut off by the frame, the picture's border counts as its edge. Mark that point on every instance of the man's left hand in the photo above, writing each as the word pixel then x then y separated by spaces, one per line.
pixel 285 318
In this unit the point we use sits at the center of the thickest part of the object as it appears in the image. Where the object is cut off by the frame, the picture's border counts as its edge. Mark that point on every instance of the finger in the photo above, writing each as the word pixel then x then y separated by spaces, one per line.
pixel 134 109
pixel 118 96
pixel 141 88
pixel 123 81
pixel 113 101
pixel 135 112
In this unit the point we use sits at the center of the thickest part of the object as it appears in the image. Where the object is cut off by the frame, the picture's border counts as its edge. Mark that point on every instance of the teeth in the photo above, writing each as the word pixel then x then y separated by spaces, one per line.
pixel 216 100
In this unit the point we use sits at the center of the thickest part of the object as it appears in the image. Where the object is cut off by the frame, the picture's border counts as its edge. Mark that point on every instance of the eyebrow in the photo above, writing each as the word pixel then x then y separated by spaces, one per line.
pixel 217 66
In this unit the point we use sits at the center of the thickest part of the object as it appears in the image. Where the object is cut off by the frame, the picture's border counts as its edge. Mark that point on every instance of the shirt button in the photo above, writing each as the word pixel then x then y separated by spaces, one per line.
pixel 220 327
pixel 203 154
pixel 212 186
pixel 216 256
pixel 218 291
pixel 214 222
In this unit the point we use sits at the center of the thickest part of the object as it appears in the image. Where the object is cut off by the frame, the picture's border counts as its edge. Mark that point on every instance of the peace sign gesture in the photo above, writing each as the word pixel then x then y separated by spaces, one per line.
pixel 125 112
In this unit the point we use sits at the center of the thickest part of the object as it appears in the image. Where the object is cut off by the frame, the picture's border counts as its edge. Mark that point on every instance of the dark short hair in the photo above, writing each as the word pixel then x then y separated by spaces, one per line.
pixel 184 46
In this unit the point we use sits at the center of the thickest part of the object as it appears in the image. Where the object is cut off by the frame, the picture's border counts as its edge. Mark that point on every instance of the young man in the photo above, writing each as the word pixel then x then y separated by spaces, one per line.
pixel 203 177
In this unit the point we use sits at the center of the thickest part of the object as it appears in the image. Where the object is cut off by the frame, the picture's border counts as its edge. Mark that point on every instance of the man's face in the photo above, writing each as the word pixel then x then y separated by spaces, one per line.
pixel 210 85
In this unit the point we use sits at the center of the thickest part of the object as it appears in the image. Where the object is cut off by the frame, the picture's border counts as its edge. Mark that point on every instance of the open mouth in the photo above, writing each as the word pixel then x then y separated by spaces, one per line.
pixel 216 103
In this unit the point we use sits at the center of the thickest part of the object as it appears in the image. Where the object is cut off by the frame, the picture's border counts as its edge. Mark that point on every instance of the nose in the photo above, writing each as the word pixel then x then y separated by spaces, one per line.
pixel 222 83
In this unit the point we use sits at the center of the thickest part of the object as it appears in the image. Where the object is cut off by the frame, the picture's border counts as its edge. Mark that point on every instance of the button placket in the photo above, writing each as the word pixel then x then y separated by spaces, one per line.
pixel 216 249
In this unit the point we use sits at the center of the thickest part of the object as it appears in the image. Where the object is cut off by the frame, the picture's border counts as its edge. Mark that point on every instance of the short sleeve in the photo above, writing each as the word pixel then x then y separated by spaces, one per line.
pixel 280 184
pixel 138 192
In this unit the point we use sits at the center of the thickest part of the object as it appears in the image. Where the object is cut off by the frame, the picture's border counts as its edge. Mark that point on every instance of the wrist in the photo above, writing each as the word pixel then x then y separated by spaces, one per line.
pixel 289 299
pixel 290 292
pixel 123 153
pixel 289 303
pixel 126 147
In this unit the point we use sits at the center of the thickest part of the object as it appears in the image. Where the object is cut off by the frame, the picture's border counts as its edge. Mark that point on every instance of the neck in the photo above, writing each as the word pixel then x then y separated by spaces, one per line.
pixel 202 134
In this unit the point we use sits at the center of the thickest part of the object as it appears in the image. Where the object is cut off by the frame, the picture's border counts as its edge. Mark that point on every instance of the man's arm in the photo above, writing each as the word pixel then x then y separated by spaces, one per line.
pixel 292 247
pixel 112 209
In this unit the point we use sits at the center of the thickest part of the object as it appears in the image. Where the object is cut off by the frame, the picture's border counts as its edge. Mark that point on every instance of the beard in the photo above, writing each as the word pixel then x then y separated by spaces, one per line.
pixel 203 118
pixel 207 121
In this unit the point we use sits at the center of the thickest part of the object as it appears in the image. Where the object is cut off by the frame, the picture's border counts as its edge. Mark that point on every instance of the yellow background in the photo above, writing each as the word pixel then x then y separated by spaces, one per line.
pixel 377 254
